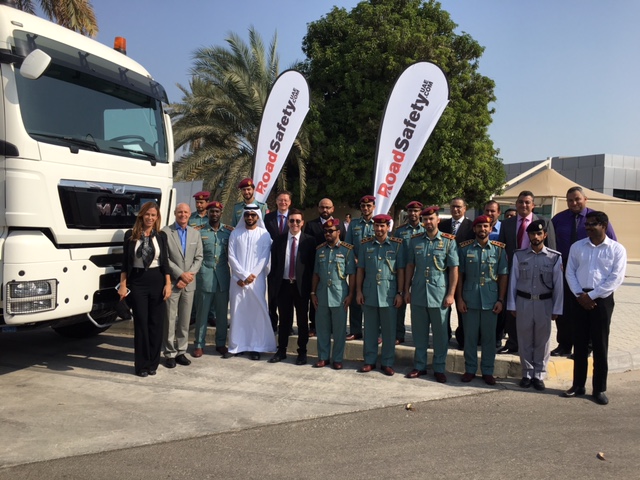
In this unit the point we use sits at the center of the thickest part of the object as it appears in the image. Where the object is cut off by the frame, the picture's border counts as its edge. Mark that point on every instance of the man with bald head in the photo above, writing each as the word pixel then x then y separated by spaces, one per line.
pixel 185 259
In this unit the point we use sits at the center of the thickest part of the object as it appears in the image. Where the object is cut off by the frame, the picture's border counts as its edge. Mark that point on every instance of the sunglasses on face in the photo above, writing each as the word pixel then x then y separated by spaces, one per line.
pixel 294 220
pixel 250 214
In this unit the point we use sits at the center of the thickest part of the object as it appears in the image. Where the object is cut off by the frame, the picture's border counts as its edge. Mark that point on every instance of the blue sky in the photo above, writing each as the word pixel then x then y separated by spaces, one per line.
pixel 566 71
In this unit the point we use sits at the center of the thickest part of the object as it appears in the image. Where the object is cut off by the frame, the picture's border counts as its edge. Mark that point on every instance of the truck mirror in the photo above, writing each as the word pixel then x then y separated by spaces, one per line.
pixel 34 64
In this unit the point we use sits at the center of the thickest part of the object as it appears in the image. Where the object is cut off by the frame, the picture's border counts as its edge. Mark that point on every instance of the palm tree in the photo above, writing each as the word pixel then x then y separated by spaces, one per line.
pixel 77 15
pixel 218 119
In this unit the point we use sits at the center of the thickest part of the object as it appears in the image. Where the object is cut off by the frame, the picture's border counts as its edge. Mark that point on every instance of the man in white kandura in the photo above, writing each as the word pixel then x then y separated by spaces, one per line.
pixel 249 259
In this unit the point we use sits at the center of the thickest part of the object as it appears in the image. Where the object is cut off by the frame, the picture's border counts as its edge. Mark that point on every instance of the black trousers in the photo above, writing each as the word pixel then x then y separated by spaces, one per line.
pixel 147 303
pixel 592 325
pixel 288 299
pixel 512 333
pixel 565 323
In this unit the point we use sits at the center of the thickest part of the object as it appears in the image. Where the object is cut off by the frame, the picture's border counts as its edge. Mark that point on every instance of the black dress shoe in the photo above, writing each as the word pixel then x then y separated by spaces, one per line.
pixel 560 352
pixel 538 384
pixel 525 382
pixel 142 373
pixel 507 351
pixel 278 357
pixel 301 360
pixel 152 372
pixel 170 363
pixel 183 360
pixel 574 392
pixel 600 398
pixel 254 355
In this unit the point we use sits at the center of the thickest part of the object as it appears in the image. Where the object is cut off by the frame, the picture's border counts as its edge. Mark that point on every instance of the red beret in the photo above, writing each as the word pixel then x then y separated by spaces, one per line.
pixel 430 210
pixel 368 199
pixel 414 204
pixel 382 218
pixel 214 204
pixel 331 223
pixel 482 219
pixel 202 196
pixel 246 182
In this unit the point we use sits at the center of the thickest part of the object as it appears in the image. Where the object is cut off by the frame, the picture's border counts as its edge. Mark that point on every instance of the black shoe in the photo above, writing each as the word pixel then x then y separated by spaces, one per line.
pixel 142 373
pixel 278 357
pixel 525 382
pixel 170 363
pixel 574 392
pixel 302 359
pixel 507 351
pixel 254 355
pixel 600 398
pixel 560 352
pixel 538 384
pixel 152 372
pixel 183 360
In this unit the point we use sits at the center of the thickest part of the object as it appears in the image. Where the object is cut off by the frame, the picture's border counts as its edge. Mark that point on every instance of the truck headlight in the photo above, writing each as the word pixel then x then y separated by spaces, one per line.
pixel 31 297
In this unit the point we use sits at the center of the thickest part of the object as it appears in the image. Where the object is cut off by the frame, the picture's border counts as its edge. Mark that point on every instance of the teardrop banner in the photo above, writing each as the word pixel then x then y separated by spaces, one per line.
pixel 413 109
pixel 286 107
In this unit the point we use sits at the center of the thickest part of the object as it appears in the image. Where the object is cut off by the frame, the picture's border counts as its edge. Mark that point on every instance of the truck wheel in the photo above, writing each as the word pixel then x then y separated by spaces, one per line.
pixel 80 330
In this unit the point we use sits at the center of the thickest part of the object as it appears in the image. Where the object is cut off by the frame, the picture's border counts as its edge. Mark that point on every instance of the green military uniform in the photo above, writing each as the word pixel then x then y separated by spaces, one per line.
pixel 238 210
pixel 198 222
pixel 333 265
pixel 381 263
pixel 432 258
pixel 480 266
pixel 212 284
pixel 359 229
pixel 405 232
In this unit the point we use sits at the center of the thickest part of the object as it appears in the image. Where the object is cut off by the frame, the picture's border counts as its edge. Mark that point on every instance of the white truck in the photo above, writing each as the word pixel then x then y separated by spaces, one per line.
pixel 84 142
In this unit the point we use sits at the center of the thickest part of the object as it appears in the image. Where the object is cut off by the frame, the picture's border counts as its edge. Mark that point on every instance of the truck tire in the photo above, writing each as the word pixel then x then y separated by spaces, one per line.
pixel 80 330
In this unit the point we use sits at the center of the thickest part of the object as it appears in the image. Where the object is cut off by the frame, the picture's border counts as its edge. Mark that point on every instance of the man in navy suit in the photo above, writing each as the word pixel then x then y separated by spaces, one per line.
pixel 513 235
pixel 292 261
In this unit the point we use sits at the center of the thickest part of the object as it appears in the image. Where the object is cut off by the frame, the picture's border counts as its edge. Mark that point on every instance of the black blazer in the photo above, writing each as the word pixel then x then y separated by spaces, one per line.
pixel 129 253
pixel 509 236
pixel 314 228
pixel 465 230
pixel 305 260
pixel 271 224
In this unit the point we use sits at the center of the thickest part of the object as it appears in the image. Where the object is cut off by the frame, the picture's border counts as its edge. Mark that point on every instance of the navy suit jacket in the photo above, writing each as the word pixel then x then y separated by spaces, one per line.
pixel 271 224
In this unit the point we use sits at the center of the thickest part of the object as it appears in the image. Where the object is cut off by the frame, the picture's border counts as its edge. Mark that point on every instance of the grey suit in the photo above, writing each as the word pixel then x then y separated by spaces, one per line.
pixel 179 304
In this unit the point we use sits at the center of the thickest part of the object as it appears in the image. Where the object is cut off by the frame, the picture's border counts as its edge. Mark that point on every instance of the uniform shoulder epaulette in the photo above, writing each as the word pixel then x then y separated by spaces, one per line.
pixel 498 244
pixel 403 225
pixel 366 240
pixel 448 235
pixel 421 234
pixel 229 227
pixel 395 239
pixel 324 244
pixel 466 243
pixel 553 251
pixel 346 245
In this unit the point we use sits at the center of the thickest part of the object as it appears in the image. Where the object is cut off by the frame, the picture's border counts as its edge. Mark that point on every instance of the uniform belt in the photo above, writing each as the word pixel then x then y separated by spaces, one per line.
pixel 542 296
pixel 587 290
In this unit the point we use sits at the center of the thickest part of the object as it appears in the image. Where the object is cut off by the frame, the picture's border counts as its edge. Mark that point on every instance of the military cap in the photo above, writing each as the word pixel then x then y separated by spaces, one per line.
pixel 214 204
pixel 482 219
pixel 430 210
pixel 202 196
pixel 246 182
pixel 414 204
pixel 382 218
pixel 368 199
pixel 332 223
pixel 537 226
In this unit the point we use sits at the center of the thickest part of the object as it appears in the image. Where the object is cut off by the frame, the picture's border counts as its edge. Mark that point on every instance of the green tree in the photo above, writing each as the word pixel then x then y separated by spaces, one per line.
pixel 77 15
pixel 220 113
pixel 353 61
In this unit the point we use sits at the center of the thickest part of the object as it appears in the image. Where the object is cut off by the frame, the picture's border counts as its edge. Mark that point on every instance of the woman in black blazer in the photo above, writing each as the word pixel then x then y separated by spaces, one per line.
pixel 145 272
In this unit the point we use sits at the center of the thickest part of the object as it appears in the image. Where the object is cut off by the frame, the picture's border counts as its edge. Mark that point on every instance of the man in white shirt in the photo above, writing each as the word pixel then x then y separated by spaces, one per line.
pixel 595 270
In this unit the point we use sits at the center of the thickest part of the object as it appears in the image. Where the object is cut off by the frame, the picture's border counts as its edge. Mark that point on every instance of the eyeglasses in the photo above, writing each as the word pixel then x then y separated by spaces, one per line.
pixel 456 206
pixel 326 230
pixel 591 224
pixel 294 220
pixel 250 214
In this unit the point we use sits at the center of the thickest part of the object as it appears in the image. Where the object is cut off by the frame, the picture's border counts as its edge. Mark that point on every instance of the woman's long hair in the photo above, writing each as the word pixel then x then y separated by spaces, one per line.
pixel 138 227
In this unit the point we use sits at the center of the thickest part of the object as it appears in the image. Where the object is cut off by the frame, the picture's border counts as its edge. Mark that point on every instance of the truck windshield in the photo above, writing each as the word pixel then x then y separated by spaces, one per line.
pixel 86 102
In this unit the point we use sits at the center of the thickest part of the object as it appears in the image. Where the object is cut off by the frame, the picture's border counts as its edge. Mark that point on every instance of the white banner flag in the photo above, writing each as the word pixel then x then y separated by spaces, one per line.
pixel 417 100
pixel 284 112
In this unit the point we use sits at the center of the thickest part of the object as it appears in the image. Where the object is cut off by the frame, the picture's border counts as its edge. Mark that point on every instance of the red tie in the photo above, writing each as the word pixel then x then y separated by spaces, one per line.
pixel 521 230
pixel 292 260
